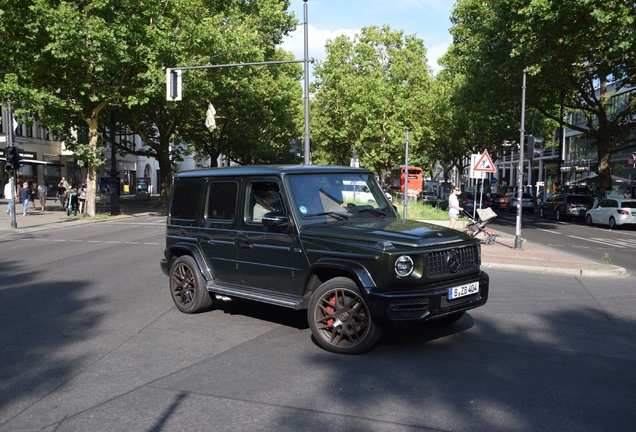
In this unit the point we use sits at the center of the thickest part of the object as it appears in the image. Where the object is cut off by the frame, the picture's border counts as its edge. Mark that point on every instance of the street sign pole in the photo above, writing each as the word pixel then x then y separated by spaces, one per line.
pixel 13 176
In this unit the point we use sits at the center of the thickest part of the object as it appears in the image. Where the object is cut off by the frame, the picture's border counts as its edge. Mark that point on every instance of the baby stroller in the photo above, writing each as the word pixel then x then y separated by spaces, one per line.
pixel 72 204
pixel 477 226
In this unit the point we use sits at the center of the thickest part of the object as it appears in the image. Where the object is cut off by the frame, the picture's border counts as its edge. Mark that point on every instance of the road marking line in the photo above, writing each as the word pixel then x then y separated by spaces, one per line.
pixel 582 247
pixel 93 241
pixel 58 240
pixel 549 231
pixel 550 244
pixel 596 241
pixel 113 242
pixel 77 241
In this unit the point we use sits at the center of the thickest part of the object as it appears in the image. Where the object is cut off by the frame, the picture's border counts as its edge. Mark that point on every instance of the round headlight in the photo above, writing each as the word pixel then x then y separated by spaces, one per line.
pixel 404 266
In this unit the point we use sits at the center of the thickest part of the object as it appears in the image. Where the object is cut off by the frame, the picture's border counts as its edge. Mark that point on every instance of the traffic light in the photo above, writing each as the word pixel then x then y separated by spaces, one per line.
pixel 295 147
pixel 13 158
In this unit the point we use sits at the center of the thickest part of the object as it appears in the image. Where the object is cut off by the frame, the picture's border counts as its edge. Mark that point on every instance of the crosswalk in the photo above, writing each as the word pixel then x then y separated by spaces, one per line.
pixel 625 243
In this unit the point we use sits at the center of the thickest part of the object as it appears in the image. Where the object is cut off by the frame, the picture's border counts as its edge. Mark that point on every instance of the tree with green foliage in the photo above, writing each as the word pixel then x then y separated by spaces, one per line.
pixel 367 92
pixel 71 63
pixel 577 53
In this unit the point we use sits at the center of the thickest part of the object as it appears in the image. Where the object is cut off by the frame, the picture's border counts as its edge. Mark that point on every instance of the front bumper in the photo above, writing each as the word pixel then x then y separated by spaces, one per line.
pixel 390 309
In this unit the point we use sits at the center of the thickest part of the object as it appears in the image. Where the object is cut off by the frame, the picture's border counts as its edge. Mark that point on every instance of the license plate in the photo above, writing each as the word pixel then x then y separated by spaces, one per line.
pixel 464 290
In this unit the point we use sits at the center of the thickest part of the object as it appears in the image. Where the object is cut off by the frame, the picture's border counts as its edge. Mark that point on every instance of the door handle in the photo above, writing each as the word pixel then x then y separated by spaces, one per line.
pixel 247 246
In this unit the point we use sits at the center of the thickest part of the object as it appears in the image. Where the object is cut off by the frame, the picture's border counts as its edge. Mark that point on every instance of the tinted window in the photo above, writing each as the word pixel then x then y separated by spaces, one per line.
pixel 629 204
pixel 186 196
pixel 222 197
pixel 579 199
pixel 526 196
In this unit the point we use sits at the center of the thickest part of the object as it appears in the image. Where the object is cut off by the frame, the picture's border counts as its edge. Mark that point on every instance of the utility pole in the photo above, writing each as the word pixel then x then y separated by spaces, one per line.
pixel 520 172
pixel 114 184
pixel 406 175
pixel 14 171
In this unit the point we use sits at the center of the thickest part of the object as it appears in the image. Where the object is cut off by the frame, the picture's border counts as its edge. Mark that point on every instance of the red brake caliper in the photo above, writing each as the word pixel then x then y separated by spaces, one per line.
pixel 332 301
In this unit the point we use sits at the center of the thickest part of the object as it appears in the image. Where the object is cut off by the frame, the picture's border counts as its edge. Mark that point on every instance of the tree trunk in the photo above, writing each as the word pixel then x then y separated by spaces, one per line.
pixel 91 174
pixel 604 172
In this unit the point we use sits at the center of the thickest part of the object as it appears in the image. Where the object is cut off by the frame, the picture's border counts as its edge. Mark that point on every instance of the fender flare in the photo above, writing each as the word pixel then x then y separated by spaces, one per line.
pixel 359 273
pixel 179 249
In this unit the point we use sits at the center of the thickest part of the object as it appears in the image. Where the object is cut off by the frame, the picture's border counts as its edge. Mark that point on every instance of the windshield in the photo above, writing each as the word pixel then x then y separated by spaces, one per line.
pixel 321 198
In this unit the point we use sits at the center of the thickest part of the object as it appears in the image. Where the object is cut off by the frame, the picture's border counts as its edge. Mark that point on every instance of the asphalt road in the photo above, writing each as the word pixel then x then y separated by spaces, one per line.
pixel 92 342
pixel 575 238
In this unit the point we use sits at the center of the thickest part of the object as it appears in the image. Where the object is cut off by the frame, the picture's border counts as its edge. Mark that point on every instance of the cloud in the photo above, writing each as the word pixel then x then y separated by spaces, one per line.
pixel 317 40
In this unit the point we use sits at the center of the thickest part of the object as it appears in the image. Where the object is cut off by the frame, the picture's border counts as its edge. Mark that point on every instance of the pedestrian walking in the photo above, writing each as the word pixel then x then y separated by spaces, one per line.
pixel 33 194
pixel 43 191
pixel 82 198
pixel 61 193
pixel 25 196
pixel 10 196
pixel 453 206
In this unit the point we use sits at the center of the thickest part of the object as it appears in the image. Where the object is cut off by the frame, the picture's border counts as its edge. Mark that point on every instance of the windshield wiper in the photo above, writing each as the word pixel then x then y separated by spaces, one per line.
pixel 335 215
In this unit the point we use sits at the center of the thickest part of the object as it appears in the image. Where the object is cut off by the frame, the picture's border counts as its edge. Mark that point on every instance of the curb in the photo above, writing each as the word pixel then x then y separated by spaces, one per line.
pixel 615 271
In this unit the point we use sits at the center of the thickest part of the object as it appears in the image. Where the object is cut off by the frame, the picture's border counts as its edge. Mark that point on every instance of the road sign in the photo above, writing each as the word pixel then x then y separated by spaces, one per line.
pixel 20 139
pixel 484 163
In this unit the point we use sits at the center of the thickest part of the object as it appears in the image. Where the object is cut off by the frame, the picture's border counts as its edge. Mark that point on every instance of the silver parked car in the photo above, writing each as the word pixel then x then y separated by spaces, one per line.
pixel 527 202
pixel 613 212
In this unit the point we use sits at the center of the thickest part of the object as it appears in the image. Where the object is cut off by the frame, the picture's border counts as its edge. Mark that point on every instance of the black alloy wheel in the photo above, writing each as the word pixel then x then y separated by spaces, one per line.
pixel 187 286
pixel 557 215
pixel 340 319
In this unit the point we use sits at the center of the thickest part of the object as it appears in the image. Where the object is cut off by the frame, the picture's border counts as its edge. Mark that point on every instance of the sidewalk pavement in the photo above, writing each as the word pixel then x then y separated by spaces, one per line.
pixel 530 258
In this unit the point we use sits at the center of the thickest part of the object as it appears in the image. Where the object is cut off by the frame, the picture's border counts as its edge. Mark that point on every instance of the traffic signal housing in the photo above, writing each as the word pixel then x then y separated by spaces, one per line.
pixel 13 157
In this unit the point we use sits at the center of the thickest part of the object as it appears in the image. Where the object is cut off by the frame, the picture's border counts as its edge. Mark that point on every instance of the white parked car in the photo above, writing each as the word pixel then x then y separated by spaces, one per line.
pixel 613 212
pixel 356 191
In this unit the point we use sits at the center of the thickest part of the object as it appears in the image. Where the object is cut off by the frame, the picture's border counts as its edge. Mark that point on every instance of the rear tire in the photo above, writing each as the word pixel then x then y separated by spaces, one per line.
pixel 340 319
pixel 612 223
pixel 588 220
pixel 187 286
pixel 541 213
pixel 557 215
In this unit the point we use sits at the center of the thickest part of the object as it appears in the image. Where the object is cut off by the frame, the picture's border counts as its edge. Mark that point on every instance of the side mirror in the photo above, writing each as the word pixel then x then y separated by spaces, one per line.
pixel 275 219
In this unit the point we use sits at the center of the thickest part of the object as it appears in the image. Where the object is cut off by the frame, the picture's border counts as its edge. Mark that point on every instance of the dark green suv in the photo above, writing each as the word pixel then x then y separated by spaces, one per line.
pixel 300 237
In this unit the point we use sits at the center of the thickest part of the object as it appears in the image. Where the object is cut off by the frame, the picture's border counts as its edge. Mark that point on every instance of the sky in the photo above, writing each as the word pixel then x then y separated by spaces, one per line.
pixel 427 19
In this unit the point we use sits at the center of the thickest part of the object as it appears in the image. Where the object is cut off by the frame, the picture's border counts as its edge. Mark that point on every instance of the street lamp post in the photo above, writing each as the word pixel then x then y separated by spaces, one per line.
pixel 520 172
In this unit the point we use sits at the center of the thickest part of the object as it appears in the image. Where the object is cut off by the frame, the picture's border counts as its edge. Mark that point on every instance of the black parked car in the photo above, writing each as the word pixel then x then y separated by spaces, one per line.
pixel 566 206
pixel 292 236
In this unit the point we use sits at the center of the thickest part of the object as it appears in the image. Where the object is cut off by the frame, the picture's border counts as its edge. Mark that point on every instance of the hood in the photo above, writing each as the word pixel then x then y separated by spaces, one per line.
pixel 399 232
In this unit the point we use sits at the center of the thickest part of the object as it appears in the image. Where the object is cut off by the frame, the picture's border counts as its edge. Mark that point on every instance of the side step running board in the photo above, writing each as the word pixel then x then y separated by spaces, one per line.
pixel 289 301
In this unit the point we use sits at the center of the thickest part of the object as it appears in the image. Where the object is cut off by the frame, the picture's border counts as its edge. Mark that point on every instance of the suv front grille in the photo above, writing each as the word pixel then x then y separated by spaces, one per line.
pixel 438 265
pixel 414 308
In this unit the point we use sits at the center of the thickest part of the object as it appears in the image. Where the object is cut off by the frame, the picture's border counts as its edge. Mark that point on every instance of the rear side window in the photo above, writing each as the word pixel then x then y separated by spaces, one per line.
pixel 186 197
pixel 222 198
pixel 629 204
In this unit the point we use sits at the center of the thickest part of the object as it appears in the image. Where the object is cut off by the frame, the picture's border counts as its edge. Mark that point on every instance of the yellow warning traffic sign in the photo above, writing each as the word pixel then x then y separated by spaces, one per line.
pixel 484 163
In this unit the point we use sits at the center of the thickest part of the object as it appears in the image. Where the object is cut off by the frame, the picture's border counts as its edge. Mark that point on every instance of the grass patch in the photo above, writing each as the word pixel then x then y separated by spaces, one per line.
pixel 420 211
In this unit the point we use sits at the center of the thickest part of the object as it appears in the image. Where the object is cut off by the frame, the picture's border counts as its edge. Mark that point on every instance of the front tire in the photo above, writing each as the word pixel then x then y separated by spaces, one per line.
pixel 340 319
pixel 612 223
pixel 187 286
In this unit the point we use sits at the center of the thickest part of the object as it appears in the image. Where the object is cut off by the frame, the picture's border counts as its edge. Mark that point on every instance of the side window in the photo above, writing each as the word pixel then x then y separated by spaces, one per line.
pixel 262 197
pixel 186 197
pixel 222 198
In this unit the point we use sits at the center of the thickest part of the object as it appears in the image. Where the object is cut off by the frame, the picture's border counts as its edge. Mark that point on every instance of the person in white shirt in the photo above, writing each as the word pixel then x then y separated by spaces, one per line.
pixel 453 206
pixel 7 195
